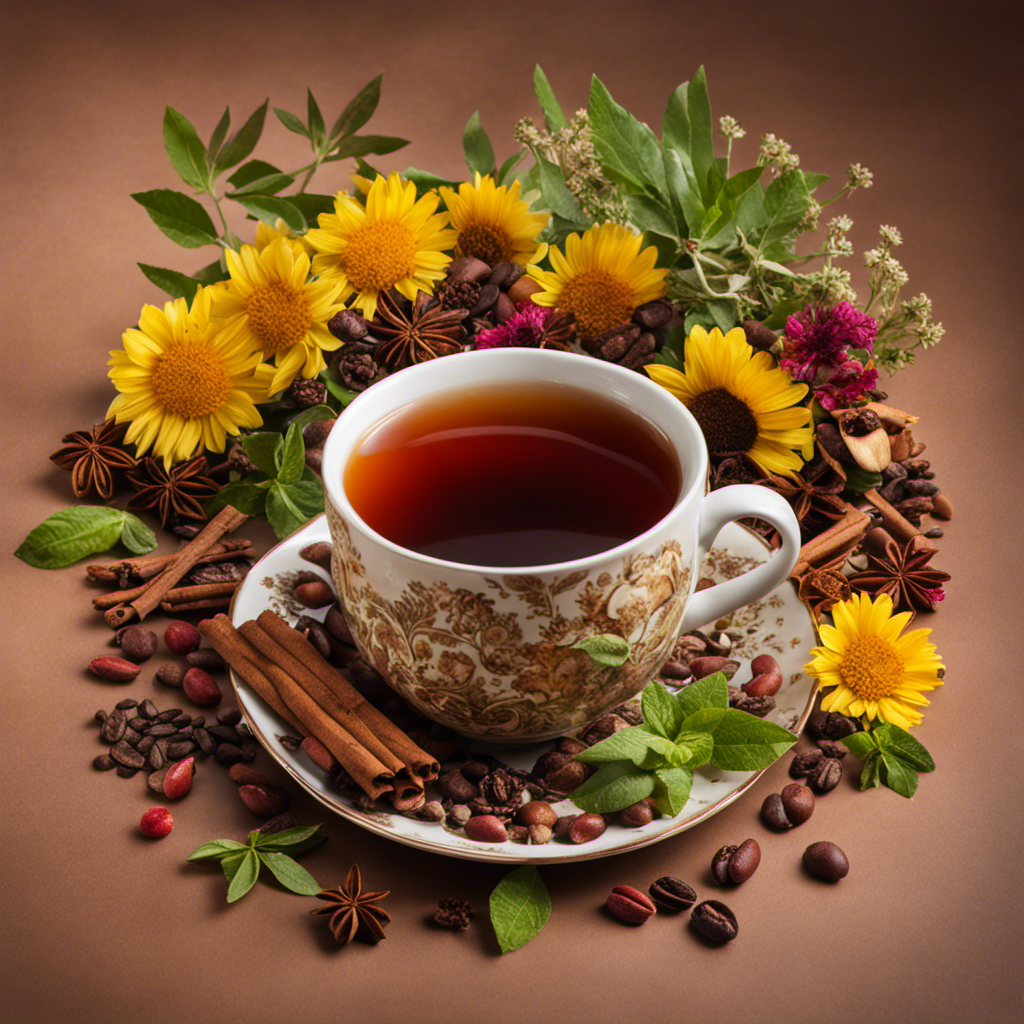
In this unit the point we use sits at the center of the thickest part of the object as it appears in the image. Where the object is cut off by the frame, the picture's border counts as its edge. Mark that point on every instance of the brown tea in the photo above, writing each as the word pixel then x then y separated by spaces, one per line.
pixel 513 475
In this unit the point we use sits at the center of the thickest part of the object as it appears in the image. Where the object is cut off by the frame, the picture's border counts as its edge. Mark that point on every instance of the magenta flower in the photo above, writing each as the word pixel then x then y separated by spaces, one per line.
pixel 818 338
pixel 850 384
pixel 523 329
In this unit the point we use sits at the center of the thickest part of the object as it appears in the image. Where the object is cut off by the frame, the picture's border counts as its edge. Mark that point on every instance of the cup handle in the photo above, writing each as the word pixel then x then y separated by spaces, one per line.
pixel 725 505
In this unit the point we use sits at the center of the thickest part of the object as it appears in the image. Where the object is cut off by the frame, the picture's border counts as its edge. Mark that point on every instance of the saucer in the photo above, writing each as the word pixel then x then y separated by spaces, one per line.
pixel 778 624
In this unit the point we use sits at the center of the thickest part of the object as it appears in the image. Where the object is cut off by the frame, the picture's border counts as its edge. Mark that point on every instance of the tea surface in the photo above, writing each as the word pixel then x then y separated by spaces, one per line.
pixel 512 475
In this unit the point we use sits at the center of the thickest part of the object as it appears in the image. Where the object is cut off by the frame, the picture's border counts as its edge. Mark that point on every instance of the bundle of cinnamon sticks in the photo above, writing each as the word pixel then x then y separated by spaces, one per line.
pixel 287 671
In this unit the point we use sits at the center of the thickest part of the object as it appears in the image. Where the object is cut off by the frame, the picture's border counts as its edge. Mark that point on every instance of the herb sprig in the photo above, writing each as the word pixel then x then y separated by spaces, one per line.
pixel 520 906
pixel 81 530
pixel 891 756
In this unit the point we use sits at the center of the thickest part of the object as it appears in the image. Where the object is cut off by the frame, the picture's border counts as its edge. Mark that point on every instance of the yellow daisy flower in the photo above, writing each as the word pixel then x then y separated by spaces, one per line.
pixel 265 234
pixel 396 241
pixel 741 399
pixel 493 223
pixel 601 279
pixel 270 305
pixel 874 670
pixel 183 386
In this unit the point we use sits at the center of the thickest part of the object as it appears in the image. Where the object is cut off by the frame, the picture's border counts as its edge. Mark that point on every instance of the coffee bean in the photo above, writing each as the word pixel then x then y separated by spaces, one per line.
pixel 167 716
pixel 182 748
pixel 797 803
pixel 243 730
pixel 744 862
pixel 570 776
pixel 156 758
pixel 672 894
pixel 145 745
pixel 206 742
pixel 114 727
pixel 171 674
pixel 224 733
pixel 314 595
pixel 826 776
pixel 131 737
pixel 335 624
pixel 586 828
pixel 242 775
pixel 629 905
pixel 561 827
pixel 278 824
pixel 315 634
pixel 100 716
pixel 138 642
pixel 456 787
pixel 537 812
pixel 229 716
pixel 715 921
pixel 207 659
pixel 198 720
pixel 125 772
pixel 126 756
pixel 181 734
pixel 804 762
pixel 182 721
pixel 485 828
pixel 249 750
pixel 103 762
pixel 773 814
pixel 830 748
pixel 162 729
pixel 124 705
pixel 720 864
pixel 228 754
pixel 139 724
pixel 148 709
pixel 826 861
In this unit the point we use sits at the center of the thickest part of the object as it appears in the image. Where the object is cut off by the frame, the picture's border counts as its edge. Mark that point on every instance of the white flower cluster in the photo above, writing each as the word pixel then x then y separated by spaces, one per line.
pixel 730 127
pixel 777 154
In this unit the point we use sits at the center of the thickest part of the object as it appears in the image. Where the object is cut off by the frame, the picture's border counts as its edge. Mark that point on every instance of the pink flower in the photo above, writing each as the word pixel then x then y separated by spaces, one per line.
pixel 850 384
pixel 818 338
pixel 523 329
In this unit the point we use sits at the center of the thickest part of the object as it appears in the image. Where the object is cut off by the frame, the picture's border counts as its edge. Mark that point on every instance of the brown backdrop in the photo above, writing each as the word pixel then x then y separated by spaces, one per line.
pixel 101 925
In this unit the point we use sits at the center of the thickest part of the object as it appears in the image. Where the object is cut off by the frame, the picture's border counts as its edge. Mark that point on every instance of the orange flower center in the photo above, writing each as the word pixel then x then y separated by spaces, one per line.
pixel 278 315
pixel 191 380
pixel 872 667
pixel 599 301
pixel 486 242
pixel 728 424
pixel 378 256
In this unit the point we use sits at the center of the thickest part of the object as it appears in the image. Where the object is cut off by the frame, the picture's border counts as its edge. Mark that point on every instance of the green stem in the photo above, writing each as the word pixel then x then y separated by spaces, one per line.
pixel 698 258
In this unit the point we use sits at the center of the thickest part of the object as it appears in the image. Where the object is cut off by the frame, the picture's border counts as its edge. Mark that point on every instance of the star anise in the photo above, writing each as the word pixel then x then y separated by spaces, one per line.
pixel 559 332
pixel 173 494
pixel 814 495
pixel 354 913
pixel 904 575
pixel 415 336
pixel 822 589
pixel 94 458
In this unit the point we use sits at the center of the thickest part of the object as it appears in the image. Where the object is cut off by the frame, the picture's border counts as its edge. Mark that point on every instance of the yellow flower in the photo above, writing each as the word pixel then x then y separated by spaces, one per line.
pixel 183 386
pixel 265 234
pixel 493 223
pixel 875 671
pixel 741 399
pixel 601 279
pixel 396 241
pixel 270 305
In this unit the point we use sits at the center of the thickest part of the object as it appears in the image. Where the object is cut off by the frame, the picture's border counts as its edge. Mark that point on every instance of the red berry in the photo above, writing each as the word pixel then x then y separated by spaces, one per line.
pixel 201 688
pixel 182 637
pixel 178 780
pixel 157 823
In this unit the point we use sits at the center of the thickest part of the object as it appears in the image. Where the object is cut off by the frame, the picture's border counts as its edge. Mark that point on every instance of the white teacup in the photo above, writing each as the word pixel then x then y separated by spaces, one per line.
pixel 488 651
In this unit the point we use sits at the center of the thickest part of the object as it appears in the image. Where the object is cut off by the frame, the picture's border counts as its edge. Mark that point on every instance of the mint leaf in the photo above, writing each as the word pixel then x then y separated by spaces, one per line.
pixel 264 448
pixel 704 720
pixel 180 217
pixel 245 876
pixel 477 146
pixel 215 850
pixel 613 787
pixel 230 863
pixel 861 744
pixel 286 837
pixel 520 906
pixel 672 789
pixel 633 743
pixel 661 710
pixel 869 773
pixel 71 534
pixel 604 648
pixel 248 497
pixel 290 873
pixel 744 742
pixel 700 745
pixel 710 692
pixel 899 777
pixel 136 536
pixel 899 743
pixel 293 456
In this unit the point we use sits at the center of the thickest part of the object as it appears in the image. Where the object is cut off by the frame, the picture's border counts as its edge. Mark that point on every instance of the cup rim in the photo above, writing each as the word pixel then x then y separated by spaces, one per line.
pixel 340 444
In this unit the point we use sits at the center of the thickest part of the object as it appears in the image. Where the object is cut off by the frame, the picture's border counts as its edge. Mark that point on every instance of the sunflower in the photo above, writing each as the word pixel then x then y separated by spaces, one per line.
pixel 875 671
pixel 742 401
pixel 265 234
pixel 601 279
pixel 396 241
pixel 493 223
pixel 270 305
pixel 182 385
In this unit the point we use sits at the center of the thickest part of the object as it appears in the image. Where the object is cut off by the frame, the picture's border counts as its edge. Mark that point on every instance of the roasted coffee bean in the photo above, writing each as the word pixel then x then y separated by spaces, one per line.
pixel 171 674
pixel 207 659
pixel 832 725
pixel 759 706
pixel 225 733
pixel 125 772
pixel 198 720
pixel 147 709
pixel 804 762
pixel 124 705
pixel 720 864
pixel 131 737
pixel 228 754
pixel 145 745
pixel 830 748
pixel 567 778
pixel 138 642
pixel 139 724
pixel 168 716
pixel 126 756
pixel 571 745
pixel 103 762
pixel 229 716
pixel 797 803
pixel 773 814
pixel 264 801
pixel 586 827
pixel 316 634
pixel 181 734
pixel 156 758
pixel 636 815
pixel 629 905
pixel 715 921
pixel 548 762
pixel 672 894
pixel 825 777
pixel 744 862
pixel 826 861
pixel 607 725
pixel 182 721
pixel 278 824
pixel 181 749
pixel 243 730
pixel 100 716
pixel 314 595
pixel 114 727
pixel 249 750
pixel 242 775
pixel 161 729
pixel 206 742
pixel 536 812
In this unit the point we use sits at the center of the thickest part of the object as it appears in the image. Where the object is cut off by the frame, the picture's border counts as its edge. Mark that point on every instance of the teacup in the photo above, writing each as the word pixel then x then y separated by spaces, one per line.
pixel 488 652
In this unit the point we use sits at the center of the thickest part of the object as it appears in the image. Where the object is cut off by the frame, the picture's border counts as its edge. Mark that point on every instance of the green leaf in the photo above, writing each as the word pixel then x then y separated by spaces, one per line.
pixel 425 180
pixel 312 414
pixel 361 145
pixel 870 775
pixel 343 395
pixel 613 787
pixel 506 168
pixel 173 282
pixel 898 742
pixel 899 777
pixel 249 498
pixel 243 142
pixel 650 215
pixel 269 208
pixel 215 850
pixel 231 862
pixel 785 202
pixel 315 120
pixel 477 146
pixel 744 742
pixel 283 514
pixel 701 745
pixel 71 534
pixel 661 710
pixel 264 448
pixel 245 877
pixel 211 273
pixel 291 122
pixel 672 789
pixel 259 176
pixel 710 692
pixel 628 150
pixel 604 648
pixel 293 456
pixel 136 536
pixel 681 187
pixel 861 744
pixel 520 906
pixel 178 216
pixel 813 181
pixel 218 136
pixel 633 743
pixel 186 150
pixel 311 204
pixel 704 720
pixel 860 480
pixel 553 116
pixel 702 132
pixel 557 197
pixel 290 873
pixel 358 110
pixel 287 837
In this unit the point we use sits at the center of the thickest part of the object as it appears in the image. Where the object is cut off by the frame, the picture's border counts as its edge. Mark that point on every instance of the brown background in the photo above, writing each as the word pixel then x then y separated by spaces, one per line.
pixel 101 925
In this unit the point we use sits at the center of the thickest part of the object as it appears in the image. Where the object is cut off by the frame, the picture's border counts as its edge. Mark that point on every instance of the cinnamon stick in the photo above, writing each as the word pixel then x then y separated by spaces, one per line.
pixel 226 520
pixel 199 592
pixel 150 565
pixel 172 608
pixel 418 761
pixel 897 525
pixel 841 537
